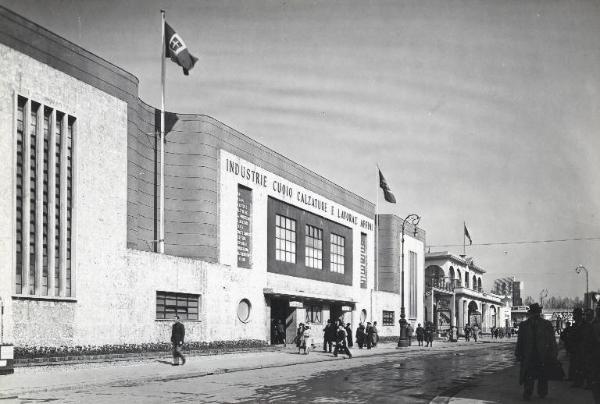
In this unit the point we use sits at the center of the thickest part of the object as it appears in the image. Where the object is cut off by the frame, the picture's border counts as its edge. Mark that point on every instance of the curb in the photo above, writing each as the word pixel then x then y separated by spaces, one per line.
pixel 190 375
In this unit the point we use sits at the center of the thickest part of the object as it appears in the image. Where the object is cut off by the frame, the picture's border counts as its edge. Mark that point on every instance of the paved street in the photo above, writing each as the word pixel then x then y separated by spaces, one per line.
pixel 447 373
pixel 414 376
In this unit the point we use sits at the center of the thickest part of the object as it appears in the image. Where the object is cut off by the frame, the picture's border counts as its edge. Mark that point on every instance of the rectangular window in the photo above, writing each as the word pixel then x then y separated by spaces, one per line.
pixel 314 314
pixel 313 240
pixel 285 239
pixel 244 227
pixel 37 135
pixel 412 294
pixel 388 317
pixel 363 260
pixel 337 253
pixel 184 305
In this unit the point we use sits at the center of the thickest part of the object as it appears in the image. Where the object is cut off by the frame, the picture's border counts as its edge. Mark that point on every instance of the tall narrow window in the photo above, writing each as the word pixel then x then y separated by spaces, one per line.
pixel 313 240
pixel 47 113
pixel 412 296
pixel 363 260
pixel 57 257
pixel 337 259
pixel 33 174
pixel 285 239
pixel 20 227
pixel 244 227
pixel 44 200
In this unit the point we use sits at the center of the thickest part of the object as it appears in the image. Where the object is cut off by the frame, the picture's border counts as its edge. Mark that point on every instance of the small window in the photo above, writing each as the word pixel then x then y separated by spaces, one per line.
pixel 314 314
pixel 184 305
pixel 243 311
pixel 388 317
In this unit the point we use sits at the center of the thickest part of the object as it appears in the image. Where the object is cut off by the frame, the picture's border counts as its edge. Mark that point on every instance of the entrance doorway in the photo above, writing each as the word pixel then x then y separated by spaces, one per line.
pixel 282 312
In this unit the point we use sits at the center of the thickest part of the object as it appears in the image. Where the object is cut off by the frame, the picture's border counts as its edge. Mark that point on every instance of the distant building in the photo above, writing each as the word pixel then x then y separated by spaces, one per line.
pixel 455 295
pixel 509 287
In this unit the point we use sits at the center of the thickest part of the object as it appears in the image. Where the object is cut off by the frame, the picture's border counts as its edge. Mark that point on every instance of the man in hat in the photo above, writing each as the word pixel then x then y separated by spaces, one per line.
pixel 536 346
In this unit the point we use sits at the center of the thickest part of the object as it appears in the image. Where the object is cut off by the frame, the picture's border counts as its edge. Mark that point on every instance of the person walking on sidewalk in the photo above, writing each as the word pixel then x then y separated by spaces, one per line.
pixel 328 336
pixel 429 334
pixel 475 330
pixel 409 333
pixel 360 335
pixel 340 343
pixel 349 335
pixel 536 347
pixel 369 333
pixel 177 337
pixel 420 334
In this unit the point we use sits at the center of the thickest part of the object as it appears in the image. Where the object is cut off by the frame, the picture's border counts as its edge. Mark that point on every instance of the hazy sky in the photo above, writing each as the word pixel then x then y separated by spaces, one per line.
pixel 486 112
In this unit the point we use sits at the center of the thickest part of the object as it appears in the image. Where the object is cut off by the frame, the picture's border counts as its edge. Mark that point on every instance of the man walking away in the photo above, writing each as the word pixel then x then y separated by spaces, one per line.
pixel 328 336
pixel 536 346
pixel 177 336
pixel 349 335
pixel 340 342
pixel 429 334
pixel 475 332
pixel 420 334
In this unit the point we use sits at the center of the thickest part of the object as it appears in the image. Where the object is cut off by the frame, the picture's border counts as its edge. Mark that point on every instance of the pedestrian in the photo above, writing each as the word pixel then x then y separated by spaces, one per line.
pixel 340 342
pixel 409 333
pixel 420 334
pixel 299 335
pixel 588 347
pixel 280 332
pixel 360 335
pixel 577 365
pixel 375 334
pixel 467 330
pixel 328 336
pixel 565 338
pixel 349 335
pixel 536 349
pixel 475 330
pixel 306 341
pixel 596 357
pixel 369 335
pixel 177 337
pixel 429 334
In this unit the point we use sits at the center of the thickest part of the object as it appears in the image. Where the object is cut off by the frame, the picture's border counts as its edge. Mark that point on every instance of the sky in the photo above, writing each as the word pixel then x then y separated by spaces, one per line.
pixel 484 112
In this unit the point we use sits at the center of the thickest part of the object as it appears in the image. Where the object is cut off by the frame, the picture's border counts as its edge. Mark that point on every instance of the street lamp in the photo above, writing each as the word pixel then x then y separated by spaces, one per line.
pixel 403 341
pixel 578 270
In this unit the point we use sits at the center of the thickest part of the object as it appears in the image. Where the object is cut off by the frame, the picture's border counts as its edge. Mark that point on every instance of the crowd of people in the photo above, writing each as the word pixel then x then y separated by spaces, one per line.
pixel 581 340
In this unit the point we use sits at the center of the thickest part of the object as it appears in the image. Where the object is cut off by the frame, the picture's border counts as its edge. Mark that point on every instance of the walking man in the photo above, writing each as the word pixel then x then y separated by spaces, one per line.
pixel 536 346
pixel 177 336
pixel 420 334
pixel 328 336
pixel 340 343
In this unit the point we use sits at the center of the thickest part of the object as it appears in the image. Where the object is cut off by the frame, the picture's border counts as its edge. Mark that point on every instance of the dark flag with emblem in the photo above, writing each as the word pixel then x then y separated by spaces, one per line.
pixel 467 235
pixel 177 51
pixel 387 192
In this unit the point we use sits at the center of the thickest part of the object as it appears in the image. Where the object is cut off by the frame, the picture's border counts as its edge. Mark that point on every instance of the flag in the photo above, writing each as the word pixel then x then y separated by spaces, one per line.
pixel 467 235
pixel 177 51
pixel 387 192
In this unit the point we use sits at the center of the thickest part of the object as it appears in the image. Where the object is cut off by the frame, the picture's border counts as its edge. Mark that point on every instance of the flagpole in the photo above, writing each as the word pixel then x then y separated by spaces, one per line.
pixel 161 214
pixel 464 239
pixel 377 232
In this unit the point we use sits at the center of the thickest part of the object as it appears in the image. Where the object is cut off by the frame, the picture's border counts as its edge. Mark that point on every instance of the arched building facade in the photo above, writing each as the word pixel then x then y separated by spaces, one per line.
pixel 454 294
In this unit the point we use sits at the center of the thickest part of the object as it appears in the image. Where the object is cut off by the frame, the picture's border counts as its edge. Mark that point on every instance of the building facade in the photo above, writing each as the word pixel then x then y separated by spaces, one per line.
pixel 455 296
pixel 251 237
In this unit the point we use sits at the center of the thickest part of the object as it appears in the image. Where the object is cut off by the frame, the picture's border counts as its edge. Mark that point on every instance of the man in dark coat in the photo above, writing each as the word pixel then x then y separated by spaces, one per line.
pixel 177 336
pixel 349 335
pixel 340 342
pixel 536 347
pixel 420 334
pixel 328 336
pixel 577 352
pixel 360 335
pixel 429 334
pixel 369 332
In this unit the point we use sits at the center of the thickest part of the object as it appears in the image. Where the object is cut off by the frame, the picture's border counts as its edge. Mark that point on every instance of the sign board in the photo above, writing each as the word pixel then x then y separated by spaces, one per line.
pixel 296 304
pixel 244 234
pixel 346 308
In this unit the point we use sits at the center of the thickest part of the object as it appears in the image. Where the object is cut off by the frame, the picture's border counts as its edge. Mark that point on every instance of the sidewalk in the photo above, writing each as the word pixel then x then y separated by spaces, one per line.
pixel 77 376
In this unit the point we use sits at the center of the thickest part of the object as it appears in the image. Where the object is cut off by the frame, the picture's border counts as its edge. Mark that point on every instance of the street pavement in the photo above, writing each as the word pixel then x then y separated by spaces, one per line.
pixel 454 372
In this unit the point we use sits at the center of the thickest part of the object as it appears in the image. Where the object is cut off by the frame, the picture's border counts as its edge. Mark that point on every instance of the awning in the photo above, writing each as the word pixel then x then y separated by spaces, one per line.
pixel 301 295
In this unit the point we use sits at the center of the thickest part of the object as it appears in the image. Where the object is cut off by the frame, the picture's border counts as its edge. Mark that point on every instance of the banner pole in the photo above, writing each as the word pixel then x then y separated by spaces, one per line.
pixel 161 224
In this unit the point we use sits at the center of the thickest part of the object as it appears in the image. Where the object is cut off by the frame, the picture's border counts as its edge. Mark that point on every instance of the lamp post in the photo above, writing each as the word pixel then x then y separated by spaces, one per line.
pixel 403 341
pixel 578 270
